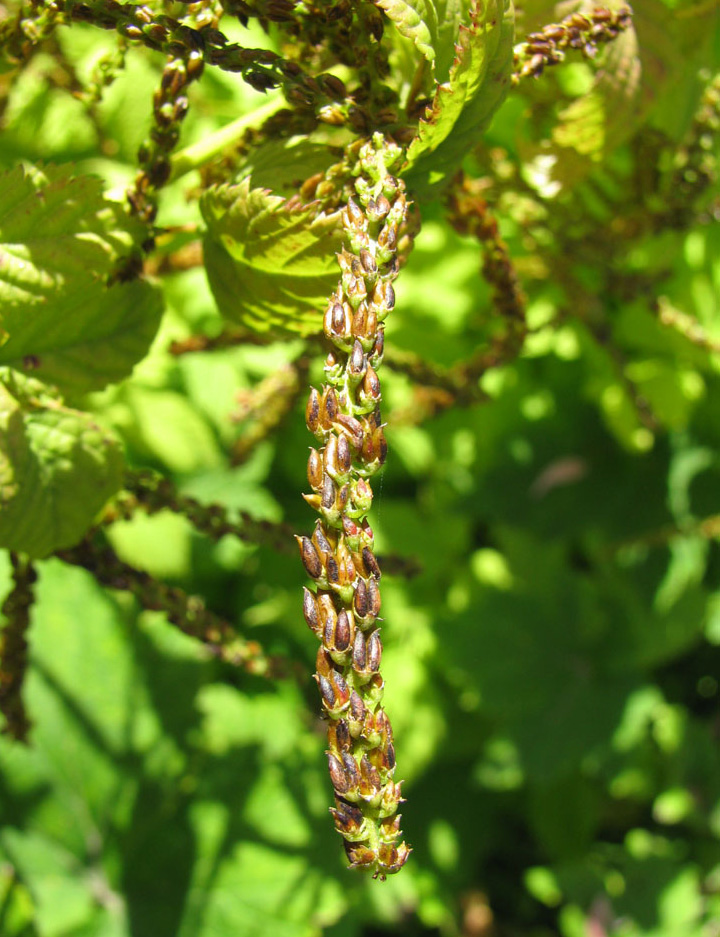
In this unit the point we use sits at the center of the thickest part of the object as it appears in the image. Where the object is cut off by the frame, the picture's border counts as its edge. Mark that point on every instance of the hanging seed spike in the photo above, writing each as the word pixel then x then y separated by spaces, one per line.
pixel 345 416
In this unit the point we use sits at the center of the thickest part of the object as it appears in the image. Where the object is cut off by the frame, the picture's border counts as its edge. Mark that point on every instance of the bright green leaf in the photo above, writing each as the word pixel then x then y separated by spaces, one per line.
pixel 59 241
pixel 57 468
pixel 270 267
pixel 431 26
pixel 463 106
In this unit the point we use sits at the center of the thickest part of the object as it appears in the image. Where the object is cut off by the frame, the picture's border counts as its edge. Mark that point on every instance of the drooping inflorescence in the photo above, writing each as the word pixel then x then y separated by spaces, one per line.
pixel 343 609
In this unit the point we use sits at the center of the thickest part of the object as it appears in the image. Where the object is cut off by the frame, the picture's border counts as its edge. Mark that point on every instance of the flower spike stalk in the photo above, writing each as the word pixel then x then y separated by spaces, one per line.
pixel 342 610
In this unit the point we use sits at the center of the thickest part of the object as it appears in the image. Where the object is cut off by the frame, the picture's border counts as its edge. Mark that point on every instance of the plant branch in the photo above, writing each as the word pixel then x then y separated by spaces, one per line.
pixel 186 612
pixel 14 648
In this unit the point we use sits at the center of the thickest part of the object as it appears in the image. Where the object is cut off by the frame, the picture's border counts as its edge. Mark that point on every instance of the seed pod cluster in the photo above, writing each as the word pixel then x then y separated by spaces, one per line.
pixel 581 31
pixel 342 610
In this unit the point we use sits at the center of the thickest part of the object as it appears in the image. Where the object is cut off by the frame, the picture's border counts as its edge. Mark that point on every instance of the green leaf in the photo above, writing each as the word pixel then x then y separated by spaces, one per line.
pixel 271 267
pixel 59 241
pixel 463 106
pixel 431 26
pixel 57 468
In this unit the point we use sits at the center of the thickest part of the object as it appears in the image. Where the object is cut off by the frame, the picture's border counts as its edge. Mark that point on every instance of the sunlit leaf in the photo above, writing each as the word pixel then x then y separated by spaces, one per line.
pixel 464 105
pixel 50 454
pixel 59 241
pixel 270 266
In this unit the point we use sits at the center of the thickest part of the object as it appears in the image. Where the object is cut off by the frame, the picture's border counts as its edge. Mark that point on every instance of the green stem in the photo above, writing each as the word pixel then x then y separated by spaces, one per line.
pixel 200 153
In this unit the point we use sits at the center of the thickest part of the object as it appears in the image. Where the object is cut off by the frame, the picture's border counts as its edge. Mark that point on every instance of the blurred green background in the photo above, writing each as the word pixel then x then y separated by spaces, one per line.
pixel 551 670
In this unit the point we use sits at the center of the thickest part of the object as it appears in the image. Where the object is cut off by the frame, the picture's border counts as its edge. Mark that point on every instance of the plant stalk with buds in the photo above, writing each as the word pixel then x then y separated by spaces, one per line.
pixel 343 609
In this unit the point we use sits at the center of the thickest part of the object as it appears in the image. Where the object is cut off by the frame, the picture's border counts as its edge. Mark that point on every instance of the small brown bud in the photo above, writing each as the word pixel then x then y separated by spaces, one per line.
pixel 327 495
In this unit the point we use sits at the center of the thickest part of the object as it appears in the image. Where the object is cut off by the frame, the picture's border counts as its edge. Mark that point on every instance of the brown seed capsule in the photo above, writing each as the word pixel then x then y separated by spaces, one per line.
pixel 348 818
pixel 337 774
pixel 310 558
pixel 312 411
pixel 390 828
pixel 374 652
pixel 372 322
pixel 343 496
pixel 360 600
pixel 357 707
pixel 371 384
pixel 354 212
pixel 373 594
pixel 344 457
pixel 310 611
pixel 369 777
pixel 328 491
pixel 330 459
pixel 359 855
pixel 368 261
pixel 342 691
pixel 320 540
pixel 339 737
pixel 359 322
pixel 387 239
pixel 356 291
pixel 359 653
pixel 343 631
pixel 330 404
pixel 315 470
pixel 352 773
pixel 326 690
pixel 353 427
pixel 333 571
pixel 370 563
pixel 324 664
pixel 383 206
pixel 333 87
pixel 356 362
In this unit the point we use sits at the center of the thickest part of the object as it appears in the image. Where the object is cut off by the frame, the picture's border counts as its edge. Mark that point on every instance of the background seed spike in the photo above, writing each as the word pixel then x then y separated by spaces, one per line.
pixel 345 415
